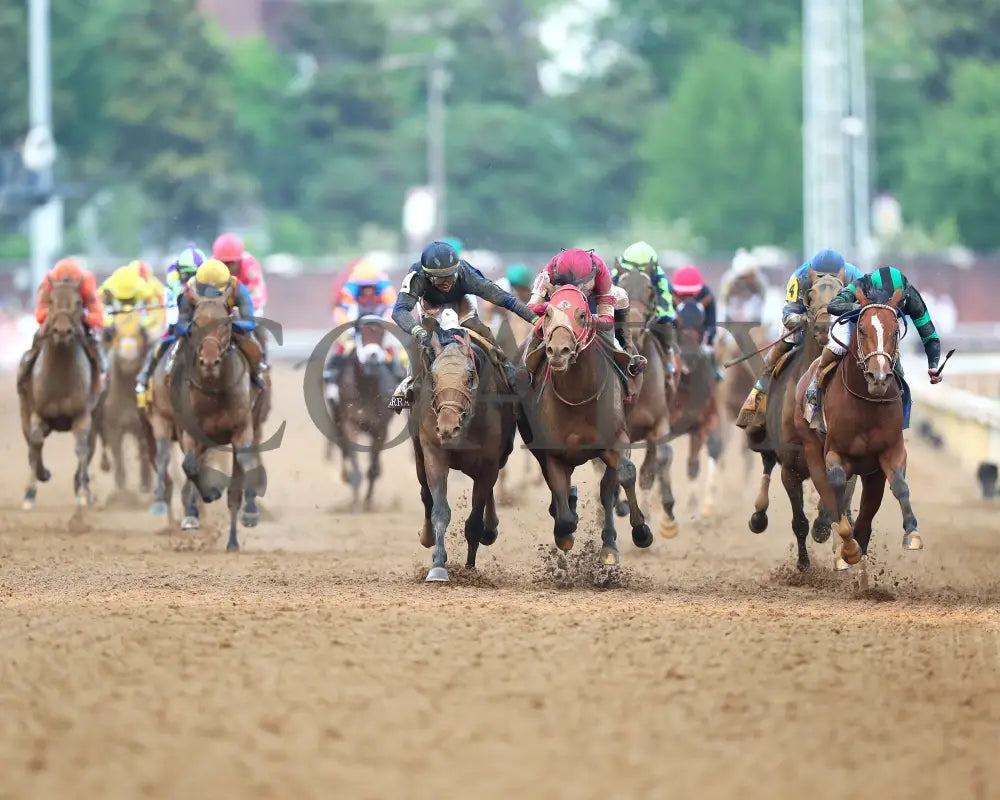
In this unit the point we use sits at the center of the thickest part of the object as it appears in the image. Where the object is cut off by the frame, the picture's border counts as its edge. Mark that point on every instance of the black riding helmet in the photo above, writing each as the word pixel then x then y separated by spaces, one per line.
pixel 439 260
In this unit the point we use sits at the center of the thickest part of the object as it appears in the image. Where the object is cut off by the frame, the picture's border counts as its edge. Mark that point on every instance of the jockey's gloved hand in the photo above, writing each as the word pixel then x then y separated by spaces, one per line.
pixel 935 378
pixel 423 338
pixel 182 328
pixel 795 321
pixel 707 349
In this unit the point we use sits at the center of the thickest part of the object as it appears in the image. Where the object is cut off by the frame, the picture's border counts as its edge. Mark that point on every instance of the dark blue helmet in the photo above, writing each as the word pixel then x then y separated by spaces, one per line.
pixel 439 260
pixel 827 262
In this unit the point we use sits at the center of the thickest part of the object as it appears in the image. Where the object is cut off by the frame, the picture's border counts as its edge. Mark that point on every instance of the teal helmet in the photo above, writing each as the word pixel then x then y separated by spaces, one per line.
pixel 456 244
pixel 519 276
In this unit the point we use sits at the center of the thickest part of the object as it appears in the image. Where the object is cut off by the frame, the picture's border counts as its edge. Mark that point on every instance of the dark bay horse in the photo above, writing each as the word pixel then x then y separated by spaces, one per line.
pixel 576 411
pixel 120 414
pixel 863 408
pixel 61 393
pixel 214 402
pixel 694 409
pixel 358 404
pixel 458 423
pixel 779 441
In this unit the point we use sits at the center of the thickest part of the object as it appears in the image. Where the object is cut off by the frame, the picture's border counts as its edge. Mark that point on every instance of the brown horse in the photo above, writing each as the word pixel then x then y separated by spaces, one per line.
pixel 163 430
pixel 576 411
pixel 61 393
pixel 120 413
pixel 458 423
pixel 740 379
pixel 694 408
pixel 863 409
pixel 214 404
pixel 780 442
pixel 358 404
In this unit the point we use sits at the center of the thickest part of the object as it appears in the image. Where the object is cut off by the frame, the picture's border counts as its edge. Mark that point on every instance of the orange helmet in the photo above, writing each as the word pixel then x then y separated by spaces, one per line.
pixel 67 269
pixel 365 273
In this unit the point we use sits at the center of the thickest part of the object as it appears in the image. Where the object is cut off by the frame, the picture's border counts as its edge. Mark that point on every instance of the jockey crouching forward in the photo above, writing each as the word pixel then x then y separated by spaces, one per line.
pixel 213 274
pixel 885 280
pixel 67 269
pixel 178 274
pixel 229 249
pixel 124 291
pixel 793 318
pixel 642 257
pixel 689 287
pixel 442 280
pixel 367 291
pixel 608 303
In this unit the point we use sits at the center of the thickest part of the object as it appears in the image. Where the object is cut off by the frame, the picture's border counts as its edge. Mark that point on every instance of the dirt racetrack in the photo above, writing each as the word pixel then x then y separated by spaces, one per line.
pixel 317 663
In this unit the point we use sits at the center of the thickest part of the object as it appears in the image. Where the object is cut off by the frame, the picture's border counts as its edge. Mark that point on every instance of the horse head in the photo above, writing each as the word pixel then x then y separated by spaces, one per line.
pixel 369 334
pixel 212 326
pixel 128 339
pixel 877 338
pixel 566 327
pixel 641 304
pixel 65 312
pixel 455 381
pixel 823 288
pixel 691 323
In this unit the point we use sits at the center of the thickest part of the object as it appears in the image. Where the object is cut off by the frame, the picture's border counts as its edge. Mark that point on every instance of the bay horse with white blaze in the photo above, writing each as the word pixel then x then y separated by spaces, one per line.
pixel 576 411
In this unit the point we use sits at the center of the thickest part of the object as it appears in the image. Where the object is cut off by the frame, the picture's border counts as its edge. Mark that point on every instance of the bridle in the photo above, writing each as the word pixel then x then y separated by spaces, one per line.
pixel 464 405
pixel 861 356
pixel 581 340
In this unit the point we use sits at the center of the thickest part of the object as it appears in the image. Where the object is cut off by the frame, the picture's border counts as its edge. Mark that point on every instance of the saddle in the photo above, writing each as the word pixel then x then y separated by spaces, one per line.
pixel 783 362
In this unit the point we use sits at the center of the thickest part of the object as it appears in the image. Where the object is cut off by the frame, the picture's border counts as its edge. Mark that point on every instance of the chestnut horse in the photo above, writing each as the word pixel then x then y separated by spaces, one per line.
pixel 863 409
pixel 576 412
pixel 463 424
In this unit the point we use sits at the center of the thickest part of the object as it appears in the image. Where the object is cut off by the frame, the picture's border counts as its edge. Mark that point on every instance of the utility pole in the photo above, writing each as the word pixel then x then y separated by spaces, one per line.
pixel 834 131
pixel 39 154
pixel 437 84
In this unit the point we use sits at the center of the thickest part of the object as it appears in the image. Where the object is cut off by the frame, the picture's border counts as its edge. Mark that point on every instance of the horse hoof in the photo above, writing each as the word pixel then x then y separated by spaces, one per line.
pixel 841 565
pixel 159 508
pixel 707 510
pixel 609 557
pixel 565 543
pixel 105 465
pixel 853 555
pixel 232 548
pixel 44 475
pixel 83 499
pixel 250 519
pixel 912 541
pixel 821 531
pixel 802 564
pixel 622 509
pixel 642 536
pixel 489 536
pixel 29 505
pixel 437 575
pixel 758 521
pixel 189 524
pixel 669 528
pixel 426 536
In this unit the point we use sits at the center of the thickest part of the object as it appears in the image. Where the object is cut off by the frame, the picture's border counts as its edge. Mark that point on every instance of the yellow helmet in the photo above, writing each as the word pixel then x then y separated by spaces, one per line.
pixel 125 283
pixel 213 273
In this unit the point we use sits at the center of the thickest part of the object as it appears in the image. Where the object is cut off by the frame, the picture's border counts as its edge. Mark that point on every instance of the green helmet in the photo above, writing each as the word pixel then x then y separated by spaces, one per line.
pixel 638 256
pixel 519 276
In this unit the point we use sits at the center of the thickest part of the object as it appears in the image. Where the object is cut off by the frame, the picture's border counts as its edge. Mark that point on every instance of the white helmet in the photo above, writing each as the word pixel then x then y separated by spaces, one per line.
pixel 745 263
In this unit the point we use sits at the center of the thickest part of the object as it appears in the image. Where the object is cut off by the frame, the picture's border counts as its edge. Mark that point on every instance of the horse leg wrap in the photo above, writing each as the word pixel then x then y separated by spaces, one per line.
pixel 714 445
pixel 626 472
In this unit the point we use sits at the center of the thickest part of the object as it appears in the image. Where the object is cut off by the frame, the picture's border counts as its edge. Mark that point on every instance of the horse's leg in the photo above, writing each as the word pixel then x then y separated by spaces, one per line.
pixel 81 480
pixel 872 491
pixel 146 451
pixel 161 504
pixel 353 477
pixel 800 522
pixel 35 430
pixel 190 465
pixel 426 534
pixel 852 485
pixel 234 496
pixel 622 506
pixel 375 468
pixel 893 463
pixel 491 522
pixel 665 460
pixel 113 441
pixel 642 536
pixel 437 468
pixel 837 476
pixel 565 518
pixel 713 444
pixel 758 520
pixel 482 490
pixel 189 498
pixel 609 536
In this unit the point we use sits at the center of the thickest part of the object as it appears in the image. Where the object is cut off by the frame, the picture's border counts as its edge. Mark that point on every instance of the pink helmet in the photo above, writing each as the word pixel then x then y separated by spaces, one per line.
pixel 688 280
pixel 574 266
pixel 228 247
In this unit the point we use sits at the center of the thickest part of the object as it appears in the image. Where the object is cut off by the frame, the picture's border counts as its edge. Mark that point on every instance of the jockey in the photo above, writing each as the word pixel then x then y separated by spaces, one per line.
pixel 884 280
pixel 793 317
pixel 743 292
pixel 228 249
pixel 367 290
pixel 123 291
pixel 178 274
pixel 213 274
pixel 67 269
pixel 689 286
pixel 443 280
pixel 156 300
pixel 641 256
pixel 591 275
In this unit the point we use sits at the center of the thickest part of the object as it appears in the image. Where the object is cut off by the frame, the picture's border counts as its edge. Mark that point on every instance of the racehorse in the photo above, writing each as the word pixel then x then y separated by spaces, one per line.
pixel 358 403
pixel 119 412
pixel 648 415
pixel 61 393
pixel 576 411
pixel 694 408
pixel 739 381
pixel 457 423
pixel 863 410
pixel 214 404
pixel 779 442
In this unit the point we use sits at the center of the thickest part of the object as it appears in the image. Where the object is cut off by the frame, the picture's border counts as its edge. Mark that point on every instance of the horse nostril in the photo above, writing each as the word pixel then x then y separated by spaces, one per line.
pixel 564 351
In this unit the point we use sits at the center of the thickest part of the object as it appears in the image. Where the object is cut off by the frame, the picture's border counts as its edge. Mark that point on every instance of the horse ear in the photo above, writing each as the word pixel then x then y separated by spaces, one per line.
pixel 860 294
pixel 467 345
pixel 436 344
pixel 812 276
pixel 842 276
pixel 896 299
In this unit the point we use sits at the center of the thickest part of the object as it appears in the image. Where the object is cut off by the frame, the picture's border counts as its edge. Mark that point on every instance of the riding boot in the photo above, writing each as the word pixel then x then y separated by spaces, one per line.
pixel 755 405
pixel 638 362
pixel 334 366
pixel 142 392
pixel 251 350
pixel 813 410
pixel 92 344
